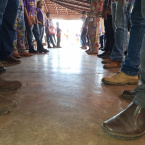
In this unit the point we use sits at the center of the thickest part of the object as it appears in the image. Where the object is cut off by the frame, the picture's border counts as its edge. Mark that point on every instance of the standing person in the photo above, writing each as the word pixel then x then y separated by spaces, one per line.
pixel 130 123
pixel 31 26
pixel 109 32
pixel 84 30
pixel 58 31
pixel 120 24
pixel 41 18
pixel 47 25
pixel 8 12
pixel 94 26
pixel 19 42
pixel 130 67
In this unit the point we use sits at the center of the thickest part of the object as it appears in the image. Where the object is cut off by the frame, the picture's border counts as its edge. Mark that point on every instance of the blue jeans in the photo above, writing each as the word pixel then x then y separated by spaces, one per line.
pixel 41 31
pixel 140 97
pixel 8 13
pixel 84 36
pixel 37 37
pixel 132 61
pixel 120 25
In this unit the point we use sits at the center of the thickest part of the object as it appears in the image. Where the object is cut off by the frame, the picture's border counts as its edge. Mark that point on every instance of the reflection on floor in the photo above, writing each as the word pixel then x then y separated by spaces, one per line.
pixel 62 101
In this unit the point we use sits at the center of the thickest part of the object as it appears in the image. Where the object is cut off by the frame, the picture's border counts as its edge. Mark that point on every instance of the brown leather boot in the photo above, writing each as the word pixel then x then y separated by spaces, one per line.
pixel 129 95
pixel 15 54
pixel 128 124
pixel 6 105
pixel 9 85
pixel 106 61
pixel 113 64
pixel 25 53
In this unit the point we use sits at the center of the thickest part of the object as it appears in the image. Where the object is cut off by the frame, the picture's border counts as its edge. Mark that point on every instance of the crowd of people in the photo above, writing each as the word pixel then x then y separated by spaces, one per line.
pixel 22 22
pixel 124 48
pixel 122 19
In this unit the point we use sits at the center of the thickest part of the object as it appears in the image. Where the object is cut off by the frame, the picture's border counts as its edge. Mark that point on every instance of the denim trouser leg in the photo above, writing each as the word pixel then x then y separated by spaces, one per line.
pixel 41 30
pixel 83 36
pixel 140 97
pixel 2 10
pixel 8 13
pixel 48 40
pixel 51 39
pixel 120 25
pixel 37 37
pixel 30 37
pixel 132 60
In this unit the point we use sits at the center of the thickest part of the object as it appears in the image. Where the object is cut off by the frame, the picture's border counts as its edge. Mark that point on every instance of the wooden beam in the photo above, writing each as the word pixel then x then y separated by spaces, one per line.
pixel 69 7
pixel 63 4
pixel 73 3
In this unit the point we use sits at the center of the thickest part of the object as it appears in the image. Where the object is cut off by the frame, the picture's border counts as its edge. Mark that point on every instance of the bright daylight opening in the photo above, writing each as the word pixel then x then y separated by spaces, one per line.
pixel 71 30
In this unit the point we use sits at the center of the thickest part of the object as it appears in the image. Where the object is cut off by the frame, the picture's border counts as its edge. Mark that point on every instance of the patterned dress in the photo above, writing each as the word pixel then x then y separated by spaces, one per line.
pixel 94 24
pixel 19 41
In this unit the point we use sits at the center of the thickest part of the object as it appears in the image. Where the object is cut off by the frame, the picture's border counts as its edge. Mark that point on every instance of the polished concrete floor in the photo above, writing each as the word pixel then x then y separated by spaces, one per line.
pixel 62 101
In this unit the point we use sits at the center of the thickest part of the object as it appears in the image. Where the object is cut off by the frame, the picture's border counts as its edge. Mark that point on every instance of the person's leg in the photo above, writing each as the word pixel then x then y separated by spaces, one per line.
pixel 21 33
pixel 51 40
pixel 140 97
pixel 121 24
pixel 30 40
pixel 101 40
pixel 83 37
pixel 111 33
pixel 129 70
pixel 48 40
pixel 54 38
pixel 2 10
pixel 94 36
pixel 58 42
pixel 40 47
pixel 8 13
pixel 15 53
pixel 130 123
pixel 41 31
pixel 137 31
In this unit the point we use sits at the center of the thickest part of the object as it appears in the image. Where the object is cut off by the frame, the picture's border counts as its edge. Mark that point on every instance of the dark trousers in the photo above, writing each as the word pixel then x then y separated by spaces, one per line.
pixel 109 34
pixel 84 37
pixel 41 31
pixel 37 37
pixel 58 41
pixel 30 31
pixel 8 13
pixel 53 36
pixel 102 40
pixel 50 40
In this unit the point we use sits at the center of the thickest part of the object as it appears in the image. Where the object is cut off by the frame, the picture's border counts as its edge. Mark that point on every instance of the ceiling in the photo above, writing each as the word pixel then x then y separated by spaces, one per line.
pixel 66 7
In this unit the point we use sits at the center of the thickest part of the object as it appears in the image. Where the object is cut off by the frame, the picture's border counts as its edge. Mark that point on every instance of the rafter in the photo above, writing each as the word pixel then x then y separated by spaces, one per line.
pixel 64 4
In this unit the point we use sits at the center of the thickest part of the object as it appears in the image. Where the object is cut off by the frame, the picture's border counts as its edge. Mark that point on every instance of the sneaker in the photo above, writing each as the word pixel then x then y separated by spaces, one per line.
pixel 121 79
